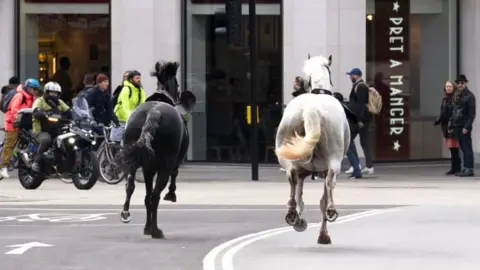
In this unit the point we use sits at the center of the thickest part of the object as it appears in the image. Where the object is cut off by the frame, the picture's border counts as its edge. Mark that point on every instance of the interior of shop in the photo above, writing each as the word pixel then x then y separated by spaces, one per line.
pixel 83 38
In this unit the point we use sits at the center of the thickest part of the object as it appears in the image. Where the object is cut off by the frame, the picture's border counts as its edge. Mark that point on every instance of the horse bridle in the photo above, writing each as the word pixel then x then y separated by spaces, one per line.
pixel 330 77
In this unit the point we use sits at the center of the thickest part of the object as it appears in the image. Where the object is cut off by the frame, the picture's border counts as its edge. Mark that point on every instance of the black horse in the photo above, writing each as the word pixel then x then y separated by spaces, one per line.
pixel 156 139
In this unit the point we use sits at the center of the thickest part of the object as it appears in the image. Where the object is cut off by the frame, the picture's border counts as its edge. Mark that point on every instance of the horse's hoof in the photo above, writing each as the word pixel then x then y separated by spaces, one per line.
pixel 157 234
pixel 301 225
pixel 332 215
pixel 170 196
pixel 125 217
pixel 324 239
pixel 291 217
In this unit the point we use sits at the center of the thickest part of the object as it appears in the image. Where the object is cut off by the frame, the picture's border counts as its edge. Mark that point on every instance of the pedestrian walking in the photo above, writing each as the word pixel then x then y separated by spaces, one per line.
pixel 359 96
pixel 464 111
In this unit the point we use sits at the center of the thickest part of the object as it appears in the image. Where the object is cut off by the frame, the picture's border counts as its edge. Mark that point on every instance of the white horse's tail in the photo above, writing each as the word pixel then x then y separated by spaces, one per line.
pixel 299 147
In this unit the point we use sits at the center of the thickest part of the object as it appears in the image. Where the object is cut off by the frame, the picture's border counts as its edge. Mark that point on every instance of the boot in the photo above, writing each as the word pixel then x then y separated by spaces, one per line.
pixel 467 172
pixel 455 162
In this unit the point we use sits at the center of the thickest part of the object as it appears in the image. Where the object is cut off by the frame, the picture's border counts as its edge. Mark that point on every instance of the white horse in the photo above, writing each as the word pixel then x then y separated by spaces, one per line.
pixel 313 136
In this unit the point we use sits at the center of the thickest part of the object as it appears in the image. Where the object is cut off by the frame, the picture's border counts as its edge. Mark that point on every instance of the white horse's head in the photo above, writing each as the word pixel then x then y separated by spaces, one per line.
pixel 317 70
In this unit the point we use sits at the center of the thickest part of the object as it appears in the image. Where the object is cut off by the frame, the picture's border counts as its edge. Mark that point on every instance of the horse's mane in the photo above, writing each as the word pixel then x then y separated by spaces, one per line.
pixel 168 69
pixel 314 65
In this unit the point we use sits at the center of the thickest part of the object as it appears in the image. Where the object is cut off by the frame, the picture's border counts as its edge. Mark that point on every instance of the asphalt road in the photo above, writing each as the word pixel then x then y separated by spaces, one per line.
pixel 92 237
pixel 419 237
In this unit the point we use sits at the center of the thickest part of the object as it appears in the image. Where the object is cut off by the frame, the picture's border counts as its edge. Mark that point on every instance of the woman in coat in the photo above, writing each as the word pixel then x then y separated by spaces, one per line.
pixel 444 120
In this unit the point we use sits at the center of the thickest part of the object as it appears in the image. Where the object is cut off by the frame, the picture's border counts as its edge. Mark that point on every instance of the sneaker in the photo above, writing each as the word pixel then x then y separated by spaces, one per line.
pixel 350 170
pixel 368 170
pixel 4 173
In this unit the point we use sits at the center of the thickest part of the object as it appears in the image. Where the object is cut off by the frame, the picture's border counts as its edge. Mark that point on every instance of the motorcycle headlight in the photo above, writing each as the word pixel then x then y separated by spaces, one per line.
pixel 94 142
pixel 71 140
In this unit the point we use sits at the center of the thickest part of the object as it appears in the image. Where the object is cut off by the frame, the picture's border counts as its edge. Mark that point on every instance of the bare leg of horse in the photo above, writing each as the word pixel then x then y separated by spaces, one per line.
pixel 129 188
pixel 330 183
pixel 160 184
pixel 323 237
pixel 292 214
pixel 148 176
pixel 171 196
pixel 300 224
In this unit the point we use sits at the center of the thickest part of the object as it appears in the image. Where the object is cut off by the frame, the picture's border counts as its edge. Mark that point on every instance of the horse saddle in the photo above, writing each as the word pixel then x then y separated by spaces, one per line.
pixel 163 96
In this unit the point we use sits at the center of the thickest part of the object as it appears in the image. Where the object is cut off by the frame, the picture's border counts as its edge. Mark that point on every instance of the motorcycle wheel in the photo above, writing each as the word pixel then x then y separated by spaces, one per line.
pixel 107 177
pixel 27 178
pixel 88 166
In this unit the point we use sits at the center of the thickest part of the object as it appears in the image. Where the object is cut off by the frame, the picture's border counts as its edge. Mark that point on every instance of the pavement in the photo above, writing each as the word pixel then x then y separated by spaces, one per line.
pixel 404 217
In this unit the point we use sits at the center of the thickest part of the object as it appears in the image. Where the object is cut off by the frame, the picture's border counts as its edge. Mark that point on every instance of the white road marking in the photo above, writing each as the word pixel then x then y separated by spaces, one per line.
pixel 22 248
pixel 235 245
pixel 280 208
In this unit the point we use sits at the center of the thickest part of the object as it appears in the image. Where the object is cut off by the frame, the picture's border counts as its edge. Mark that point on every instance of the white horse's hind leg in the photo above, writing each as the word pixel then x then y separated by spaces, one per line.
pixel 330 182
pixel 323 237
pixel 300 223
pixel 292 214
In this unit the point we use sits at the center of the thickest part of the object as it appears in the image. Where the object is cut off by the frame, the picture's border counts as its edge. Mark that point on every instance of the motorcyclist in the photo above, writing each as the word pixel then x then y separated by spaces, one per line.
pixel 44 130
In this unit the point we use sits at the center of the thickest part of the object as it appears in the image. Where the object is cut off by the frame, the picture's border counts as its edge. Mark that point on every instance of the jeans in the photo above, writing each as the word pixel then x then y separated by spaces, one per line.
pixel 364 133
pixel 10 141
pixel 353 159
pixel 44 141
pixel 465 141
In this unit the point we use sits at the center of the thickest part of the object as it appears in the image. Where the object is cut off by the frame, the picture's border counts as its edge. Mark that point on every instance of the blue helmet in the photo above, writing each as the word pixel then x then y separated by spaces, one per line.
pixel 31 83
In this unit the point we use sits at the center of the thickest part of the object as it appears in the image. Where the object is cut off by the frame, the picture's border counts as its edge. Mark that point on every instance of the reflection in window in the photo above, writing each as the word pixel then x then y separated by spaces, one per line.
pixel 219 74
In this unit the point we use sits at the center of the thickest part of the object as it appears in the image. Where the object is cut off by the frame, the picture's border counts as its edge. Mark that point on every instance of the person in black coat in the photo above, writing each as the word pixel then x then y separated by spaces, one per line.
pixel 353 124
pixel 464 111
pixel 358 103
pixel 299 86
pixel 444 120
pixel 99 99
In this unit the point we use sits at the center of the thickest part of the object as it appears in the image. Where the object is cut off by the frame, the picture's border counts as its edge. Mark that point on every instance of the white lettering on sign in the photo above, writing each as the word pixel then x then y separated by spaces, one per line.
pixel 22 248
pixel 397 108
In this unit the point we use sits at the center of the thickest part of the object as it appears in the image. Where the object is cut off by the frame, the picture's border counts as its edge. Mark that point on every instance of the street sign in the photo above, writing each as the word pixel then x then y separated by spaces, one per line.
pixel 19 249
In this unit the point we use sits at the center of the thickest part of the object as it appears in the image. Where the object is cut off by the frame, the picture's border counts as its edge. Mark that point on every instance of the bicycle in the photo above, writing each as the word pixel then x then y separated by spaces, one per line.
pixel 109 171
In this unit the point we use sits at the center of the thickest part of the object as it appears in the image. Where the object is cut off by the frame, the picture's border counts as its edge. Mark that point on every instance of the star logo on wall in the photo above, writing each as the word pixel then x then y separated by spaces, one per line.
pixel 396 6
pixel 396 146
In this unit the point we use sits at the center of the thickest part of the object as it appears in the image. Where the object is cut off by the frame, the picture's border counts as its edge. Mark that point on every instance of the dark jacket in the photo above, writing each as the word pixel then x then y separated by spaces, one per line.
pixel 359 100
pixel 298 92
pixel 102 106
pixel 464 110
pixel 351 117
pixel 444 119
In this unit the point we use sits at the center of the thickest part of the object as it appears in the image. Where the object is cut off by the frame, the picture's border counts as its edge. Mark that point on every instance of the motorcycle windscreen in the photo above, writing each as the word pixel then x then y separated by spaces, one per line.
pixel 80 109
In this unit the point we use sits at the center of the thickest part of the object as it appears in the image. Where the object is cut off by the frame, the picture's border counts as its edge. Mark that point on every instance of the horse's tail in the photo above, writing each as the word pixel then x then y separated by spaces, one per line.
pixel 298 147
pixel 141 152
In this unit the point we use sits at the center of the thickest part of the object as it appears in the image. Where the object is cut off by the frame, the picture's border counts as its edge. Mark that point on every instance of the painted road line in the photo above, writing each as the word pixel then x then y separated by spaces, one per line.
pixel 175 210
pixel 227 258
pixel 209 261
pixel 19 249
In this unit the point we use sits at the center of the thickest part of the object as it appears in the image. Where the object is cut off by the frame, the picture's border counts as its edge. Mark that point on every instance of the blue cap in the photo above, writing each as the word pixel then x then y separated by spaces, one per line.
pixel 355 71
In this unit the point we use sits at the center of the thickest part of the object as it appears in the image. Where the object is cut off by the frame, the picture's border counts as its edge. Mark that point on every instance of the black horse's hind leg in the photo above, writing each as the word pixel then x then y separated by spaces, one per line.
pixel 148 176
pixel 160 184
pixel 171 196
pixel 129 188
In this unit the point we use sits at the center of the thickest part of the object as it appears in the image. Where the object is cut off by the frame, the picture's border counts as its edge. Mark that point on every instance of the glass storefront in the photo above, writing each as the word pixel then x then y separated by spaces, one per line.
pixel 67 29
pixel 411 52
pixel 219 75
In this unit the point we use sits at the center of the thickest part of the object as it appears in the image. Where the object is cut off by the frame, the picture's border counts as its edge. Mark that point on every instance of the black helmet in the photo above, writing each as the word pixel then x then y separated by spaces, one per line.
pixel 133 73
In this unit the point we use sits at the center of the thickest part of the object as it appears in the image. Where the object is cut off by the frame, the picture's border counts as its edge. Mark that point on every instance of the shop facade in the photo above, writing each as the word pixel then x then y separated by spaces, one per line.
pixel 418 45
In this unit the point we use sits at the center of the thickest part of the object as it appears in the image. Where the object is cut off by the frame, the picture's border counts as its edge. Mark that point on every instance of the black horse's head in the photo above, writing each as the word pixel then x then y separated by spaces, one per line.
pixel 166 74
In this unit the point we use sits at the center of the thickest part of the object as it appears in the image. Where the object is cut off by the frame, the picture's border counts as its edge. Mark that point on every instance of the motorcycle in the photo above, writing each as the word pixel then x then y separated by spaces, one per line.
pixel 71 153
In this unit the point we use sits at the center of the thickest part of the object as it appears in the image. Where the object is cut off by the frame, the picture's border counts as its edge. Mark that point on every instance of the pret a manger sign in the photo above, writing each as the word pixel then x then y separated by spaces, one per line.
pixel 396 40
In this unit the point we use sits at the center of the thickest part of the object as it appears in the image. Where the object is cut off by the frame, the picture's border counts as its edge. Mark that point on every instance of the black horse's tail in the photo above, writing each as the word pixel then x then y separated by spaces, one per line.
pixel 141 152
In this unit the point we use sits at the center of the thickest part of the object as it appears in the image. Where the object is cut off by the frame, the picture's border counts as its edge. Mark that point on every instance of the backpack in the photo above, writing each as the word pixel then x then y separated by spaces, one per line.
pixel 7 98
pixel 374 100
pixel 117 92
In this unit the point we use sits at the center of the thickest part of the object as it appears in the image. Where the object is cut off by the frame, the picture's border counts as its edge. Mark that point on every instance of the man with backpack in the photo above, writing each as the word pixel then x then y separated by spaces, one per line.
pixel 125 100
pixel 360 99
pixel 12 102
